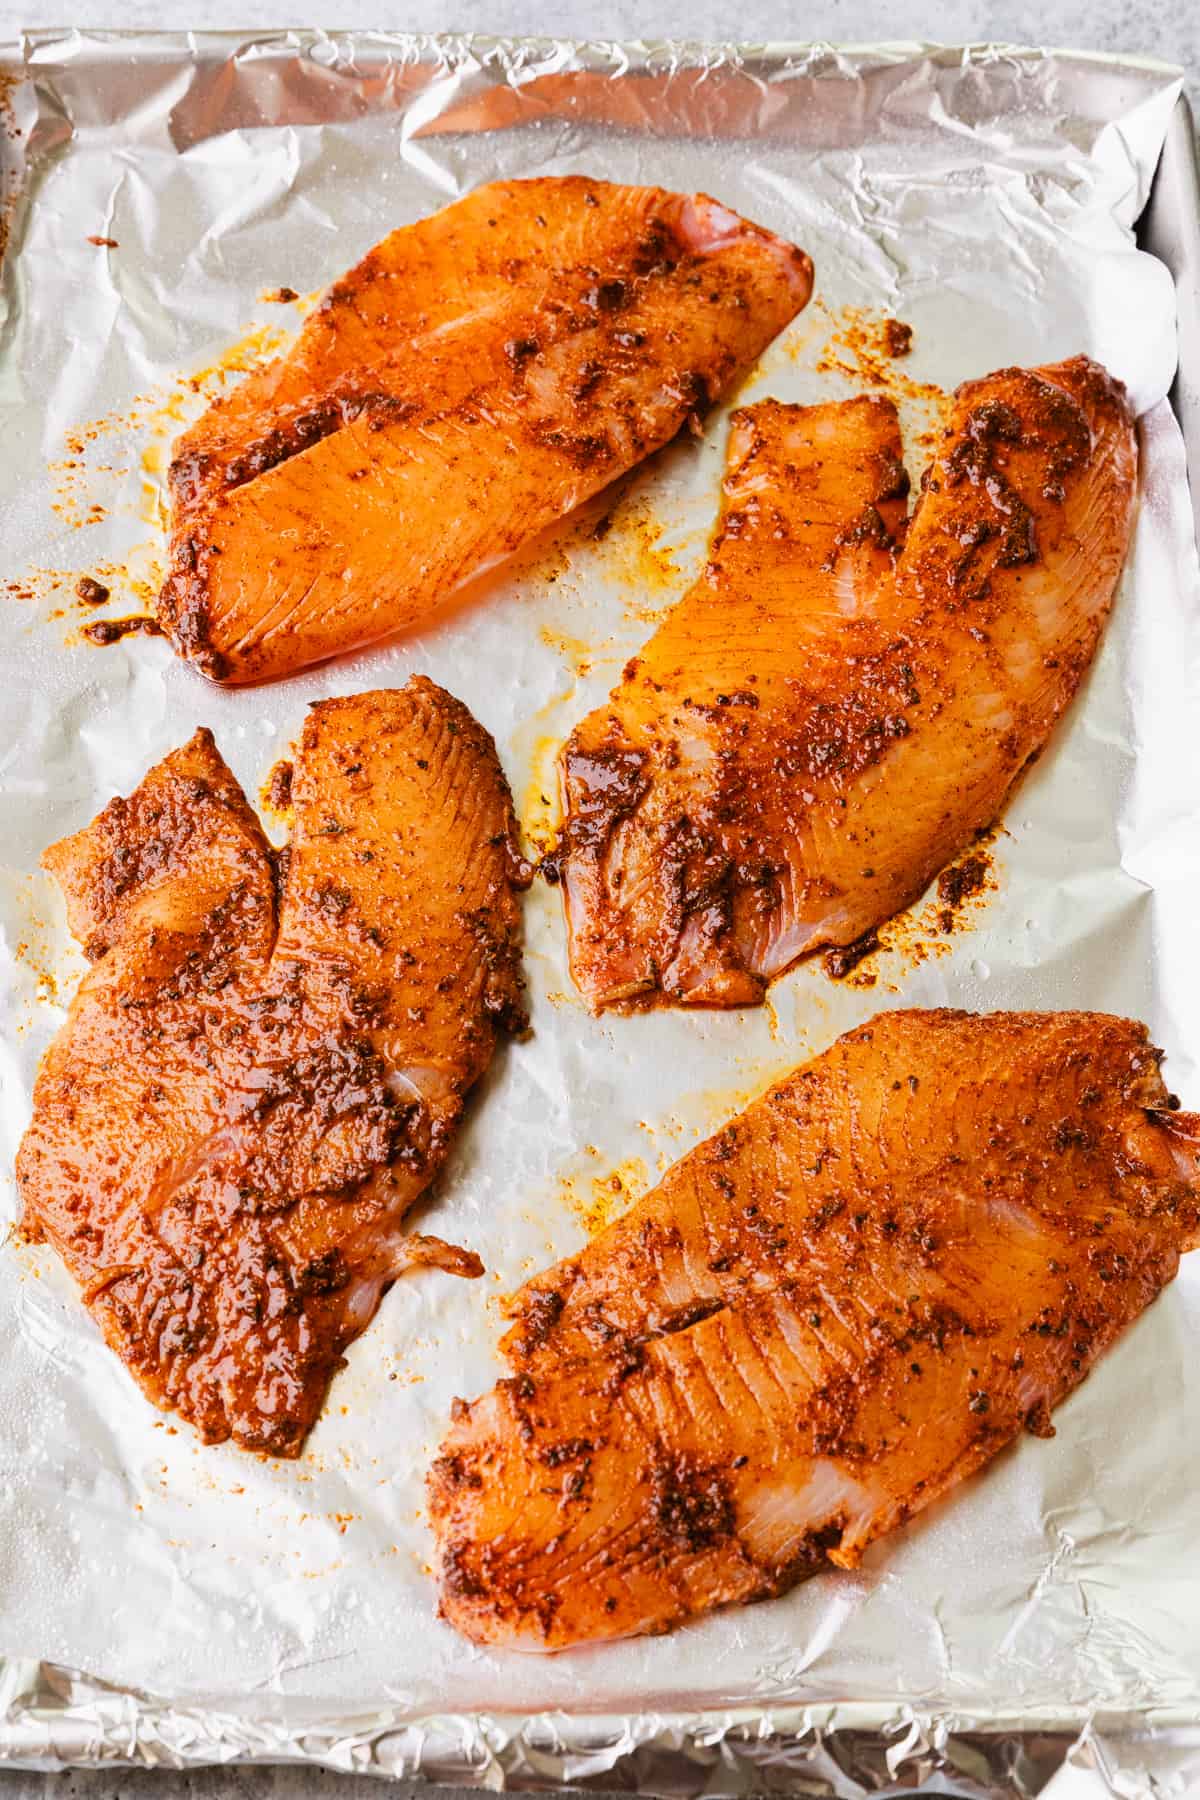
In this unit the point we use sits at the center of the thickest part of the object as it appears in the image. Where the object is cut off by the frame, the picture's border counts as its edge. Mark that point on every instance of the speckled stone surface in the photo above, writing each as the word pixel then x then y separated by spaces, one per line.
pixel 281 1783
pixel 1169 29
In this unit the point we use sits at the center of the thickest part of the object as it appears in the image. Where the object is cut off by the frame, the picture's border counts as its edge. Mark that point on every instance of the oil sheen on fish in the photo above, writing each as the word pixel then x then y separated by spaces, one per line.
pixel 473 379
pixel 266 1062
pixel 844 698
pixel 822 1320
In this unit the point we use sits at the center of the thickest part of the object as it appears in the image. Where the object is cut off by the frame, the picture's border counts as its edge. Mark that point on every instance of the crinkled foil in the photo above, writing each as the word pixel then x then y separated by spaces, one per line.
pixel 1044 1621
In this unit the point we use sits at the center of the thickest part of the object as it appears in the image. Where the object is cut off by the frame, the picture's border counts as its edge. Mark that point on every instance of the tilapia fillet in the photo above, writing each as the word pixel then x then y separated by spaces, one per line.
pixel 472 380
pixel 820 1321
pixel 845 697
pixel 264 1067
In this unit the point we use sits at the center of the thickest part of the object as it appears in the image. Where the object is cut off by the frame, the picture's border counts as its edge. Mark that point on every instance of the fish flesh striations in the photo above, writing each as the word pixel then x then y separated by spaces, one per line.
pixel 265 1064
pixel 472 380
pixel 845 696
pixel 821 1321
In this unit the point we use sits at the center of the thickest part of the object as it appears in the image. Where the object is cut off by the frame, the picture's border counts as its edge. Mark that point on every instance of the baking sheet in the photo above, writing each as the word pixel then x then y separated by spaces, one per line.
pixel 217 1606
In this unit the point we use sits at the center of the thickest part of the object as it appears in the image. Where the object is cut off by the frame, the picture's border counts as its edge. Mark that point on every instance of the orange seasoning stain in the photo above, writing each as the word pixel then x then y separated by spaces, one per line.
pixel 635 556
pixel 38 951
pixel 962 891
pixel 275 794
pixel 412 1377
pixel 846 959
pixel 37 959
pixel 161 411
pixel 152 468
pixel 541 808
pixel 534 746
pixel 76 596
pixel 610 1194
pixel 576 652
pixel 39 583
pixel 707 1110
pixel 69 595
pixel 897 337
pixel 793 345
pixel 111 631
pixel 962 881
pixel 959 896
pixel 596 1195
pixel 97 464
pixel 865 347
pixel 857 964
pixel 101 456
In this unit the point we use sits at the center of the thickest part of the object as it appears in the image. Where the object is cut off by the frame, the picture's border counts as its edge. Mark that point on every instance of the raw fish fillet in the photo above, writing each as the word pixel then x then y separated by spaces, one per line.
pixel 472 380
pixel 266 1063
pixel 821 1321
pixel 843 699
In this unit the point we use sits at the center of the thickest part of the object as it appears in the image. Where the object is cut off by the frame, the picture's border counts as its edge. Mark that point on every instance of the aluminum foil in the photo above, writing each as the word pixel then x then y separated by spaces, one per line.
pixel 173 1604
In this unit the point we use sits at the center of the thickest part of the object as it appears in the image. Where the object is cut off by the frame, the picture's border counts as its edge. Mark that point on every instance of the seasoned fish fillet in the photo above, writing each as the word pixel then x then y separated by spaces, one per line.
pixel 249 1092
pixel 476 377
pixel 821 1320
pixel 827 718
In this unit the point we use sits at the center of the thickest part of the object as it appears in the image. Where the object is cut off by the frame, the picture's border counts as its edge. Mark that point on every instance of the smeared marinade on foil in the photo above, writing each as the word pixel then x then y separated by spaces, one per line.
pixel 985 201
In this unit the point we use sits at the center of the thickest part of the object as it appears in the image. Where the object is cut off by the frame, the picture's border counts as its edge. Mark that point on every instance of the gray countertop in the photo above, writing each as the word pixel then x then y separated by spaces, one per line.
pixel 280 1783
pixel 1169 29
